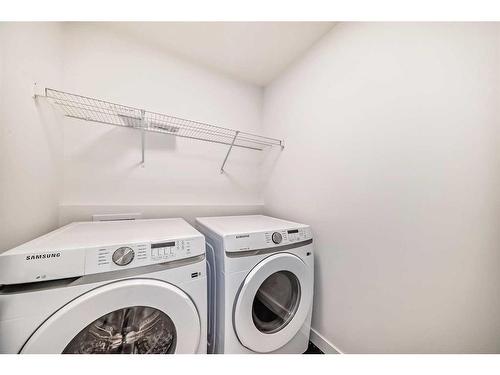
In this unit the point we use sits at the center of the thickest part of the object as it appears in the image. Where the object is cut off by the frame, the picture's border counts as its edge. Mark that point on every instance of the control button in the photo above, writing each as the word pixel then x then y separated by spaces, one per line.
pixel 123 256
pixel 277 238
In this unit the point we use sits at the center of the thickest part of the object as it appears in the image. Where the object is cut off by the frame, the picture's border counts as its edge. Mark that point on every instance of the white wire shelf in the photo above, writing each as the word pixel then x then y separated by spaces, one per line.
pixel 96 110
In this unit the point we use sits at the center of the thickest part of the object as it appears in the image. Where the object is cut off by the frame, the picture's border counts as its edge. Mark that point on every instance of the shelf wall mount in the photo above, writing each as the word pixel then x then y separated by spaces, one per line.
pixel 105 112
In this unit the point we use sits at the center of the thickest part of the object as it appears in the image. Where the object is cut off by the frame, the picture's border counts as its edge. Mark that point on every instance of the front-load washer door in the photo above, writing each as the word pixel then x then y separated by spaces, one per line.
pixel 273 303
pixel 129 316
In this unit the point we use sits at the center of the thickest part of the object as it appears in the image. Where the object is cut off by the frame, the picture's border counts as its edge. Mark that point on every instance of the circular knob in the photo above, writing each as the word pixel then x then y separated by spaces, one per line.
pixel 277 238
pixel 123 256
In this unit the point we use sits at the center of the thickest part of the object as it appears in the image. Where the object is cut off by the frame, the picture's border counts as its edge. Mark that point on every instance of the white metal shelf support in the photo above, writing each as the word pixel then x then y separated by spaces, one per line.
pixel 143 140
pixel 228 152
pixel 101 111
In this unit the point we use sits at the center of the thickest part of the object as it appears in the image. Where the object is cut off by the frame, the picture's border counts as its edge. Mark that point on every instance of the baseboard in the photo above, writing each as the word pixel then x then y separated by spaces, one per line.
pixel 323 344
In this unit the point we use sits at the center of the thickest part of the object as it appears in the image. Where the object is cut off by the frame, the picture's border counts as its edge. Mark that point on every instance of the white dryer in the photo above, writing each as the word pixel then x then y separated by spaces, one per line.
pixel 260 284
pixel 106 287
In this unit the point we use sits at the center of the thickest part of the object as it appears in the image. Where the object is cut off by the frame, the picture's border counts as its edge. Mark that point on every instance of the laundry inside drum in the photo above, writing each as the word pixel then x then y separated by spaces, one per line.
pixel 131 330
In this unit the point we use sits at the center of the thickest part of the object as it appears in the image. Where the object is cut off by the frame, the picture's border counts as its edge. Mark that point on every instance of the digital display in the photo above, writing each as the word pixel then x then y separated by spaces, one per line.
pixel 293 231
pixel 163 244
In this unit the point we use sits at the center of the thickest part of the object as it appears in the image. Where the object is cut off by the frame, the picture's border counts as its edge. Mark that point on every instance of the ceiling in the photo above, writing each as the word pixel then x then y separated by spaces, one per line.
pixel 254 52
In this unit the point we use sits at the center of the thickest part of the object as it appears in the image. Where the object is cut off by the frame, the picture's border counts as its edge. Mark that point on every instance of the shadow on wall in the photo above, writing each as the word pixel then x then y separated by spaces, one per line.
pixel 269 163
pixel 96 148
pixel 52 126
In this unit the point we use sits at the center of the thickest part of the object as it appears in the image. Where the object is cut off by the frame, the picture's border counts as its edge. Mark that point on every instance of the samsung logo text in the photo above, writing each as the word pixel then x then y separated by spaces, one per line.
pixel 43 256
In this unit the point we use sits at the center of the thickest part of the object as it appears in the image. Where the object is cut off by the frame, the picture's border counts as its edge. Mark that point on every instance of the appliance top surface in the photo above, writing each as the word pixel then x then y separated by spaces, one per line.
pixel 92 234
pixel 230 225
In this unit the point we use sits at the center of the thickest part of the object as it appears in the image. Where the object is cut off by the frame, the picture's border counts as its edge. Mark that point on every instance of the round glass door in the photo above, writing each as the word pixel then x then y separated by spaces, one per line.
pixel 128 316
pixel 276 302
pixel 273 302
pixel 131 330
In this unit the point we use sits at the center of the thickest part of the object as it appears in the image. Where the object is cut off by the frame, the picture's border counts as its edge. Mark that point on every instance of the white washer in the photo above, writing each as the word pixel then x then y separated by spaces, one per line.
pixel 106 287
pixel 260 284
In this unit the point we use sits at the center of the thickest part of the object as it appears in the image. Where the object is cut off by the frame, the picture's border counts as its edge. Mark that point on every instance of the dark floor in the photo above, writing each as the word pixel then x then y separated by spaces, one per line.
pixel 313 349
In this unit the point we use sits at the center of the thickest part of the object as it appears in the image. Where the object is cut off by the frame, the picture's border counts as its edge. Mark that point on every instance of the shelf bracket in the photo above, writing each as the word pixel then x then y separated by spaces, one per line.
pixel 36 93
pixel 229 151
pixel 143 138
pixel 143 142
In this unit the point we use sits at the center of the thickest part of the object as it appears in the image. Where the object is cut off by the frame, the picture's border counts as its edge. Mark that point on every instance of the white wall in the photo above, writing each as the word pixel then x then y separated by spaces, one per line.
pixel 30 136
pixel 101 163
pixel 391 134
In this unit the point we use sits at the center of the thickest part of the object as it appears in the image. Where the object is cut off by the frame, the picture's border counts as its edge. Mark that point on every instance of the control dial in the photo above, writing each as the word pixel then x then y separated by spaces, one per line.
pixel 123 256
pixel 277 238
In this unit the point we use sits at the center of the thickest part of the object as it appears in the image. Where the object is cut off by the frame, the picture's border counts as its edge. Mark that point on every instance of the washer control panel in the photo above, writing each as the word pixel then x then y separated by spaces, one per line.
pixel 277 238
pixel 287 236
pixel 123 256
pixel 115 257
pixel 167 250
pixel 262 240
